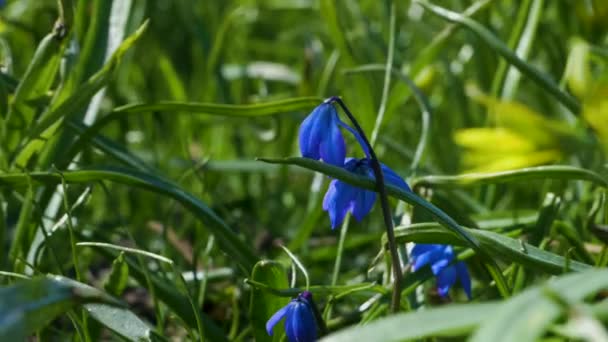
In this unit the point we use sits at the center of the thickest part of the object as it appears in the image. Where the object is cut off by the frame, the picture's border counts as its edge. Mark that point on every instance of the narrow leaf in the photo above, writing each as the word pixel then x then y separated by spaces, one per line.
pixel 29 305
pixel 264 304
pixel 500 246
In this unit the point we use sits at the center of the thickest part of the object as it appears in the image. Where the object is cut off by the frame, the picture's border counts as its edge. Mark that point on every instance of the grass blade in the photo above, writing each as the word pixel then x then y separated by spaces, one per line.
pixel 489 38
pixel 48 124
pixel 264 304
pixel 122 322
pixel 498 245
pixel 563 172
pixel 529 314
pixel 450 321
pixel 29 305
pixel 228 240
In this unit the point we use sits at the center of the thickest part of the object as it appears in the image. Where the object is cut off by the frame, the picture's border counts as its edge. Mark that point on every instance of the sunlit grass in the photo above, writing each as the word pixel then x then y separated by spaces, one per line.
pixel 151 179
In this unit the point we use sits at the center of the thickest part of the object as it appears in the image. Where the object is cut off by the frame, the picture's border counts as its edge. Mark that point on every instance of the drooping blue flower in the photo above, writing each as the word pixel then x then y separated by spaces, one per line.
pixel 440 258
pixel 341 197
pixel 300 325
pixel 320 136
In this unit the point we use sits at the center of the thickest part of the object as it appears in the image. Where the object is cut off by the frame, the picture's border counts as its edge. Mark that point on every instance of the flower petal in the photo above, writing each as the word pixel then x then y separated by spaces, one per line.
pixel 332 148
pixel 337 201
pixel 310 134
pixel 393 178
pixel 445 280
pixel 421 248
pixel 357 136
pixel 439 265
pixel 424 254
pixel 363 203
pixel 277 317
pixel 302 327
pixel 289 328
pixel 464 277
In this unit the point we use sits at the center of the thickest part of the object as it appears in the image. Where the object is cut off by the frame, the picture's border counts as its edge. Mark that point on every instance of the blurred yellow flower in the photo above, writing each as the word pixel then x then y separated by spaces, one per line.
pixel 520 137
pixel 587 78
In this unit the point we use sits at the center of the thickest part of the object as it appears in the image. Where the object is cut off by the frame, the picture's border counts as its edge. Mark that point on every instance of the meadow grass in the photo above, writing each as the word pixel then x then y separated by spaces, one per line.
pixel 152 186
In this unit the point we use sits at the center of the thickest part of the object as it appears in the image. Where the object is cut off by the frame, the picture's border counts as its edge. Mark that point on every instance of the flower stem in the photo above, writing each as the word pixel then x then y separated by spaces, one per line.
pixel 386 211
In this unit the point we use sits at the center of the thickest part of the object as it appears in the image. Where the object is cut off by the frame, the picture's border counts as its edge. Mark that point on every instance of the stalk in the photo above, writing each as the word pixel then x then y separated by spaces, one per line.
pixel 386 211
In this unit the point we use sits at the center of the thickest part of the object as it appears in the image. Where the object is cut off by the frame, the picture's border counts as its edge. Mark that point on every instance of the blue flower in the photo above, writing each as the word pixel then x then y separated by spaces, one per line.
pixel 320 136
pixel 300 325
pixel 341 197
pixel 440 257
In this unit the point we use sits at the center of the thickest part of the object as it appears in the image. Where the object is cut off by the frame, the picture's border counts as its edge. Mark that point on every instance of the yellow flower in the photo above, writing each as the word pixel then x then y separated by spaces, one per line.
pixel 520 137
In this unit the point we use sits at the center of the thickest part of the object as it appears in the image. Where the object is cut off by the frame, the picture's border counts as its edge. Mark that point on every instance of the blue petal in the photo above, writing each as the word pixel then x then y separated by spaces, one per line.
pixel 289 322
pixel 363 203
pixel 421 248
pixel 320 136
pixel 337 201
pixel 464 277
pixel 429 256
pixel 302 327
pixel 350 164
pixel 277 317
pixel 311 132
pixel 445 280
pixel 390 176
pixel 332 147
pixel 447 256
pixel 439 265
pixel 393 178
pixel 357 136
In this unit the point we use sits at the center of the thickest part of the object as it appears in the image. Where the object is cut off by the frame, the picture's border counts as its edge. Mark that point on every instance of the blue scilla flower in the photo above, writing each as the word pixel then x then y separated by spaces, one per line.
pixel 440 258
pixel 342 197
pixel 300 323
pixel 320 136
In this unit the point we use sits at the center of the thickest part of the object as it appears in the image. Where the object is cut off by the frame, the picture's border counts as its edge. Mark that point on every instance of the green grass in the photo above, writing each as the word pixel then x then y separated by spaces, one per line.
pixel 150 170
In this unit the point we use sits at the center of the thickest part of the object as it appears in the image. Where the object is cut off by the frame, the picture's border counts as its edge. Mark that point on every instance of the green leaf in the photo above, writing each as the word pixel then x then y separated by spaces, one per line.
pixel 449 321
pixel 227 239
pixel 494 244
pixel 20 243
pixel 264 304
pixel 524 317
pixel 563 172
pixel 38 77
pixel 29 305
pixel 252 110
pixel 50 121
pixel 214 109
pixel 529 314
pixel 117 281
pixel 110 148
pixel 321 290
pixel 122 322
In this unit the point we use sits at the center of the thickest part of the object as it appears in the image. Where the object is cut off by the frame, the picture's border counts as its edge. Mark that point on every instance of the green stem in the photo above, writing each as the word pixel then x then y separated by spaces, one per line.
pixel 387 75
pixel 337 265
pixel 386 211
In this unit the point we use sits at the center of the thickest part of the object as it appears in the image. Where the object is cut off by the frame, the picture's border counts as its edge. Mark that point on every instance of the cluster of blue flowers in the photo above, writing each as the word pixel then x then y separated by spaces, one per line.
pixel 321 138
pixel 441 260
